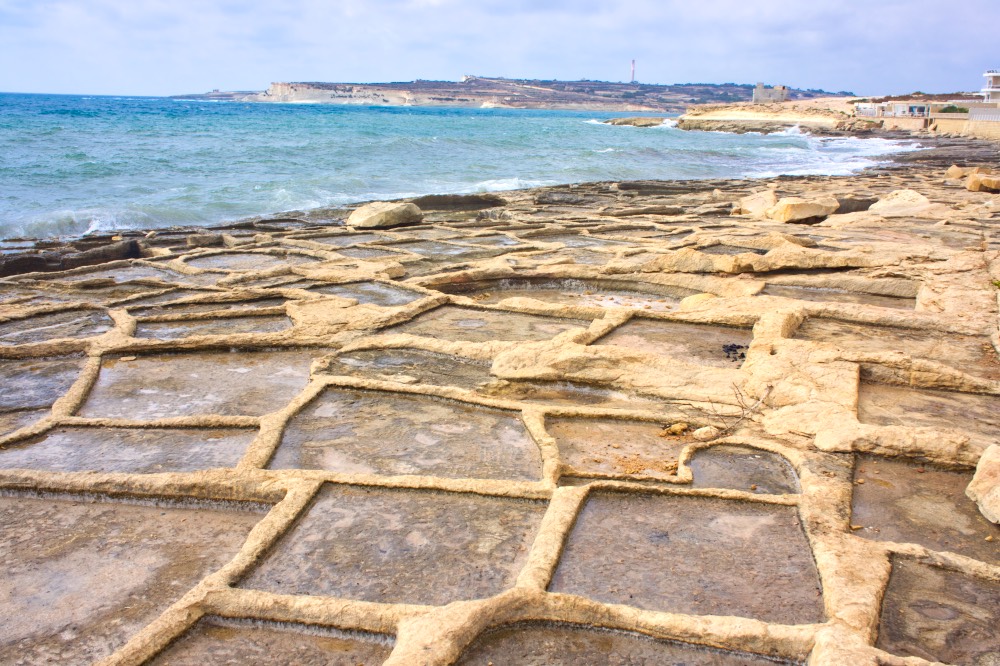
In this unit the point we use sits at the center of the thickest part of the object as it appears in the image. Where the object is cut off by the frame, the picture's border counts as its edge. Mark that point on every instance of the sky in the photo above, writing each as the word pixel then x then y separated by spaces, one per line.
pixel 165 47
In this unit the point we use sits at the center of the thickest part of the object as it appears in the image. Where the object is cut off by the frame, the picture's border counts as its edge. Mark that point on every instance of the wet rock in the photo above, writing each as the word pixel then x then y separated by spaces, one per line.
pixel 636 122
pixel 433 202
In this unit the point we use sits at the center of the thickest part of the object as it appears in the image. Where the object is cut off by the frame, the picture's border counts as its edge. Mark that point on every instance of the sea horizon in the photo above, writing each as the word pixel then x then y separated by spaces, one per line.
pixel 81 164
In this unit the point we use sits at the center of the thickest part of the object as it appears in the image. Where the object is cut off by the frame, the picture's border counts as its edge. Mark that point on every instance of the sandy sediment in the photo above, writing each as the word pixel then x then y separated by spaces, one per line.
pixel 646 414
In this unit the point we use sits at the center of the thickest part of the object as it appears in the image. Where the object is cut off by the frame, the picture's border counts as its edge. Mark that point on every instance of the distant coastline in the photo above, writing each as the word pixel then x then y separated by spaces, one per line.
pixel 486 92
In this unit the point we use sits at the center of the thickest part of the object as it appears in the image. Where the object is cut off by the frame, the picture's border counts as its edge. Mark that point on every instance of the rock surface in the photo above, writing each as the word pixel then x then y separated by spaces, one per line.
pixel 985 487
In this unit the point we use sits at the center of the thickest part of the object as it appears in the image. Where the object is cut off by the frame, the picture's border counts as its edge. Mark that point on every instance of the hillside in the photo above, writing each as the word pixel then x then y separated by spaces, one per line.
pixel 482 92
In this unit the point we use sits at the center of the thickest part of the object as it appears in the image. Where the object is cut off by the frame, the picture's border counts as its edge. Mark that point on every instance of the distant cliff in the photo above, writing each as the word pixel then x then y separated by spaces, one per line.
pixel 482 92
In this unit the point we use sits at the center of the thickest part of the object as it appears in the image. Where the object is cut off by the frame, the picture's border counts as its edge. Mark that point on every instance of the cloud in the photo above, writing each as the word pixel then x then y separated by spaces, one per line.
pixel 170 46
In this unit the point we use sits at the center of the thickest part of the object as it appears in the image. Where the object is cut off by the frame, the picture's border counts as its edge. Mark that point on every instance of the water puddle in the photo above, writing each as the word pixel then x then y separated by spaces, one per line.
pixel 217 640
pixel 176 330
pixel 181 309
pixel 38 382
pixel 411 366
pixel 743 468
pixel 343 240
pixel 828 295
pixel 557 644
pixel 592 293
pixel 730 250
pixel 451 322
pixel 231 383
pixel 940 615
pixel 907 502
pixel 968 353
pixel 374 293
pixel 694 555
pixel 134 450
pixel 82 575
pixel 393 433
pixel 705 344
pixel 976 415
pixel 401 546
pixel 42 328
pixel 247 261
pixel 615 448
pixel 571 394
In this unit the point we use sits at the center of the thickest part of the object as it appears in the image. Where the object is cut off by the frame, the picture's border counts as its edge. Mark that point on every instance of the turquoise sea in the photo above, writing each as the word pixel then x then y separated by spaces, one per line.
pixel 70 165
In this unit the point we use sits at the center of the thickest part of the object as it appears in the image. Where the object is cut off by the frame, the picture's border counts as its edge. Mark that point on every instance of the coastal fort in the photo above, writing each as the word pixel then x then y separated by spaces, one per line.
pixel 727 422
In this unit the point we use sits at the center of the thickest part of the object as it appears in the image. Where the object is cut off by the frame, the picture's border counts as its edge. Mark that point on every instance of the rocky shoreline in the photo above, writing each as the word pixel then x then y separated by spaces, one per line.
pixel 743 422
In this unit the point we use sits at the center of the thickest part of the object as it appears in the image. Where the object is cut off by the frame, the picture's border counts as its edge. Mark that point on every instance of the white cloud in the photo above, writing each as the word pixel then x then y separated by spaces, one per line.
pixel 169 46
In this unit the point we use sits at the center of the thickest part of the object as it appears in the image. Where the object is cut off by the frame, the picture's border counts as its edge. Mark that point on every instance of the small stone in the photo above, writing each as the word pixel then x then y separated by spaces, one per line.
pixel 127 358
pixel 989 538
pixel 677 428
pixel 857 527
pixel 859 481
pixel 706 433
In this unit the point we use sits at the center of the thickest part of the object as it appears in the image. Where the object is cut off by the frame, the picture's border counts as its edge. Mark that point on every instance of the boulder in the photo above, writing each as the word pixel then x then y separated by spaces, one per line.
pixel 955 171
pixel 795 209
pixel 901 203
pixel 978 182
pixel 985 487
pixel 756 205
pixel 384 214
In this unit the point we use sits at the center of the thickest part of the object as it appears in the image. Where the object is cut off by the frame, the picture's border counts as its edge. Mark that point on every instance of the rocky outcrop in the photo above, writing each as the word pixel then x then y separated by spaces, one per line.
pixel 636 122
pixel 985 487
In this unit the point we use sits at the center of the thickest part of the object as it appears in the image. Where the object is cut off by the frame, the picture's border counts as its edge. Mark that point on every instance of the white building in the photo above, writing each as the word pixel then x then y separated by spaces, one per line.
pixel 992 89
pixel 764 95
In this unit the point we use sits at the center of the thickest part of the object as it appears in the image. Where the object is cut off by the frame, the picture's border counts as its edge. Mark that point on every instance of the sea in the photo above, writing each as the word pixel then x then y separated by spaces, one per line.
pixel 73 165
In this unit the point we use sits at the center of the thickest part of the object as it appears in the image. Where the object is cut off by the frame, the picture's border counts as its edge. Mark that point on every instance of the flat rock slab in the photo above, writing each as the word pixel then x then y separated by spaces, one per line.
pixel 135 450
pixel 38 382
pixel 940 615
pixel 395 433
pixel 177 330
pixel 615 448
pixel 410 365
pixel 973 414
pixel 83 574
pixel 694 555
pixel 716 346
pixel 374 293
pixel 827 295
pixel 42 328
pixel 401 546
pixel 968 353
pixel 224 642
pixel 900 501
pixel 557 644
pixel 229 383
pixel 468 324
pixel 743 468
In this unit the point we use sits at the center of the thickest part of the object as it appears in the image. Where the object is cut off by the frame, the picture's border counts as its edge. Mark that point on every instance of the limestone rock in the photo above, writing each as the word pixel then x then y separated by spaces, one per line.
pixel 384 214
pixel 900 203
pixel 706 433
pixel 756 205
pixel 955 171
pixel 978 182
pixel 985 487
pixel 793 209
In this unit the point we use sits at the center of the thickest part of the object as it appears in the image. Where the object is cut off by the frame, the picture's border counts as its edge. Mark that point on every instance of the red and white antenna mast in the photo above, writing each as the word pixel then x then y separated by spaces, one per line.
pixel 633 71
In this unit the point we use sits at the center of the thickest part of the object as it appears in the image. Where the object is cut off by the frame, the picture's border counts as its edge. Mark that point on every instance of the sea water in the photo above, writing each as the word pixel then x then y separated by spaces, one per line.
pixel 72 165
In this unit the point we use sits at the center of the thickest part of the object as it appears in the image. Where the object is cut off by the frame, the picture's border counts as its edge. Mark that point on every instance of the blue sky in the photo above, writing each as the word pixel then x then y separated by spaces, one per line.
pixel 162 47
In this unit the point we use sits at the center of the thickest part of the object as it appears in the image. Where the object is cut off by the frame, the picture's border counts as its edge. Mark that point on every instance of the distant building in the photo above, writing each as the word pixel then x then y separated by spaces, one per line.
pixel 764 95
pixel 991 92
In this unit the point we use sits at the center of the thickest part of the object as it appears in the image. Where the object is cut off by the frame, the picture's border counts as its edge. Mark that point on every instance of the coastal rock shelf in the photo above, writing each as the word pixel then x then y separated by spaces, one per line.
pixel 611 423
